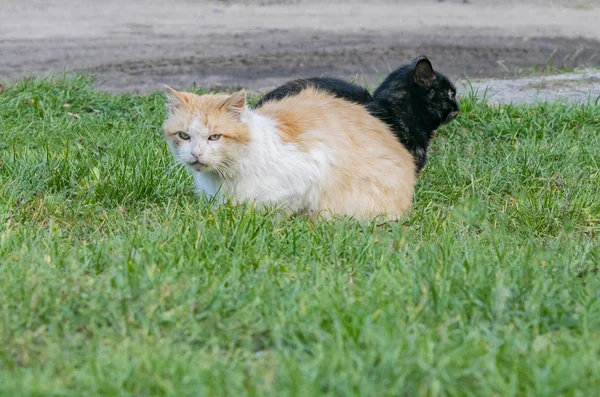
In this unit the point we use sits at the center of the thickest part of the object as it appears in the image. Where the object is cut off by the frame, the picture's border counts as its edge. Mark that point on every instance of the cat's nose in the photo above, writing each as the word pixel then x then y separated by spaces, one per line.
pixel 197 153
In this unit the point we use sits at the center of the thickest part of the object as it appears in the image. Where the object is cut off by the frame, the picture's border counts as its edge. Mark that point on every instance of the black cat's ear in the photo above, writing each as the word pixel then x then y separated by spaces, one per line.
pixel 424 74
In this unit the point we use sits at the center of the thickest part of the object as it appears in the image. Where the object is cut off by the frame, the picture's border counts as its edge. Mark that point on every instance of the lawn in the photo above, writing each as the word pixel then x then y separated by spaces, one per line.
pixel 115 280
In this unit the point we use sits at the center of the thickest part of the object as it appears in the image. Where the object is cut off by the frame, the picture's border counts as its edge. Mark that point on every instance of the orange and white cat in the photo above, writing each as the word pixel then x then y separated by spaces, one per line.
pixel 309 153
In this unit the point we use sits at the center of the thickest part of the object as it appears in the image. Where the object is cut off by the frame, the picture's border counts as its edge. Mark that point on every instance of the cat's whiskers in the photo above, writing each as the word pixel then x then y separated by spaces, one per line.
pixel 178 163
pixel 221 169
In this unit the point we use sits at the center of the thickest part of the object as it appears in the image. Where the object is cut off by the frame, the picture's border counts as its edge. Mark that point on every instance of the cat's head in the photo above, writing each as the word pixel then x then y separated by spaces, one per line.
pixel 438 90
pixel 429 92
pixel 205 132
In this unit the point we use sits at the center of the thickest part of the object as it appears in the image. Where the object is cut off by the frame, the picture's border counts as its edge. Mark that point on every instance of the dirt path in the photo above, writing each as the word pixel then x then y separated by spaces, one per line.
pixel 581 87
pixel 138 46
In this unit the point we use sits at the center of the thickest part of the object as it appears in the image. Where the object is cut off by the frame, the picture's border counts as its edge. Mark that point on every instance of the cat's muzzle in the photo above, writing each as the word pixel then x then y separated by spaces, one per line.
pixel 198 165
pixel 451 116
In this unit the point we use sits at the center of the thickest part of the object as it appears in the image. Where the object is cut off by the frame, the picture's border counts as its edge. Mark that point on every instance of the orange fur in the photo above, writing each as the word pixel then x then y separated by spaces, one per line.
pixel 348 161
pixel 377 172
pixel 215 110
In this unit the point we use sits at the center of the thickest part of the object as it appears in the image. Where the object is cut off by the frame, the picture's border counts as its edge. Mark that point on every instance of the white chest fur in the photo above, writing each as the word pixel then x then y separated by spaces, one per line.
pixel 207 183
pixel 270 172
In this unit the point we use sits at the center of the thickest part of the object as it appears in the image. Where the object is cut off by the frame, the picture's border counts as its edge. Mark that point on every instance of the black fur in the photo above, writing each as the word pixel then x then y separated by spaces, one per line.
pixel 339 88
pixel 413 100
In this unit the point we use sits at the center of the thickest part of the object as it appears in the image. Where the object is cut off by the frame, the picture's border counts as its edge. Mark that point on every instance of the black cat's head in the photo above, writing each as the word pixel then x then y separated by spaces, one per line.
pixel 438 92
pixel 429 95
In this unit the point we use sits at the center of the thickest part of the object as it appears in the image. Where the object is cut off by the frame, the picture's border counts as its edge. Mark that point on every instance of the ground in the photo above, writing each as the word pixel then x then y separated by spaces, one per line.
pixel 115 280
pixel 135 46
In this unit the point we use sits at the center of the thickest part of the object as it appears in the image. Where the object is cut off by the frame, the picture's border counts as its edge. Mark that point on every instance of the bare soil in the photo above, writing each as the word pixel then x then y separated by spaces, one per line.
pixel 140 45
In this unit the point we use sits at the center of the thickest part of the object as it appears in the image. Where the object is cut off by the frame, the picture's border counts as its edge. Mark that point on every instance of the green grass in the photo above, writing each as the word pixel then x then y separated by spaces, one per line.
pixel 115 280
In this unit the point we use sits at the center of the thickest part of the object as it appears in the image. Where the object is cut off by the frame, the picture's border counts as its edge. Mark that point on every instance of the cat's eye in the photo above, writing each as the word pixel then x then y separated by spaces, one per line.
pixel 183 136
pixel 214 137
pixel 451 93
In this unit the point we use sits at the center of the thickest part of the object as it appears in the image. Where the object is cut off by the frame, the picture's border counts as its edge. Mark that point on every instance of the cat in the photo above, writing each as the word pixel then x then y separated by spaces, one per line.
pixel 339 88
pixel 310 153
pixel 413 101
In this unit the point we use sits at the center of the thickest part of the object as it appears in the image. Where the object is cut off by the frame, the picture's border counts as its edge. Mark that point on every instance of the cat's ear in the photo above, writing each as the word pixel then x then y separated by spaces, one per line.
pixel 424 74
pixel 175 99
pixel 236 103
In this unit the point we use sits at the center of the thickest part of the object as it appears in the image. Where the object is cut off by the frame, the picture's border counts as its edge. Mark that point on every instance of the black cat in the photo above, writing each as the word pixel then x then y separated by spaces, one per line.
pixel 337 87
pixel 414 101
